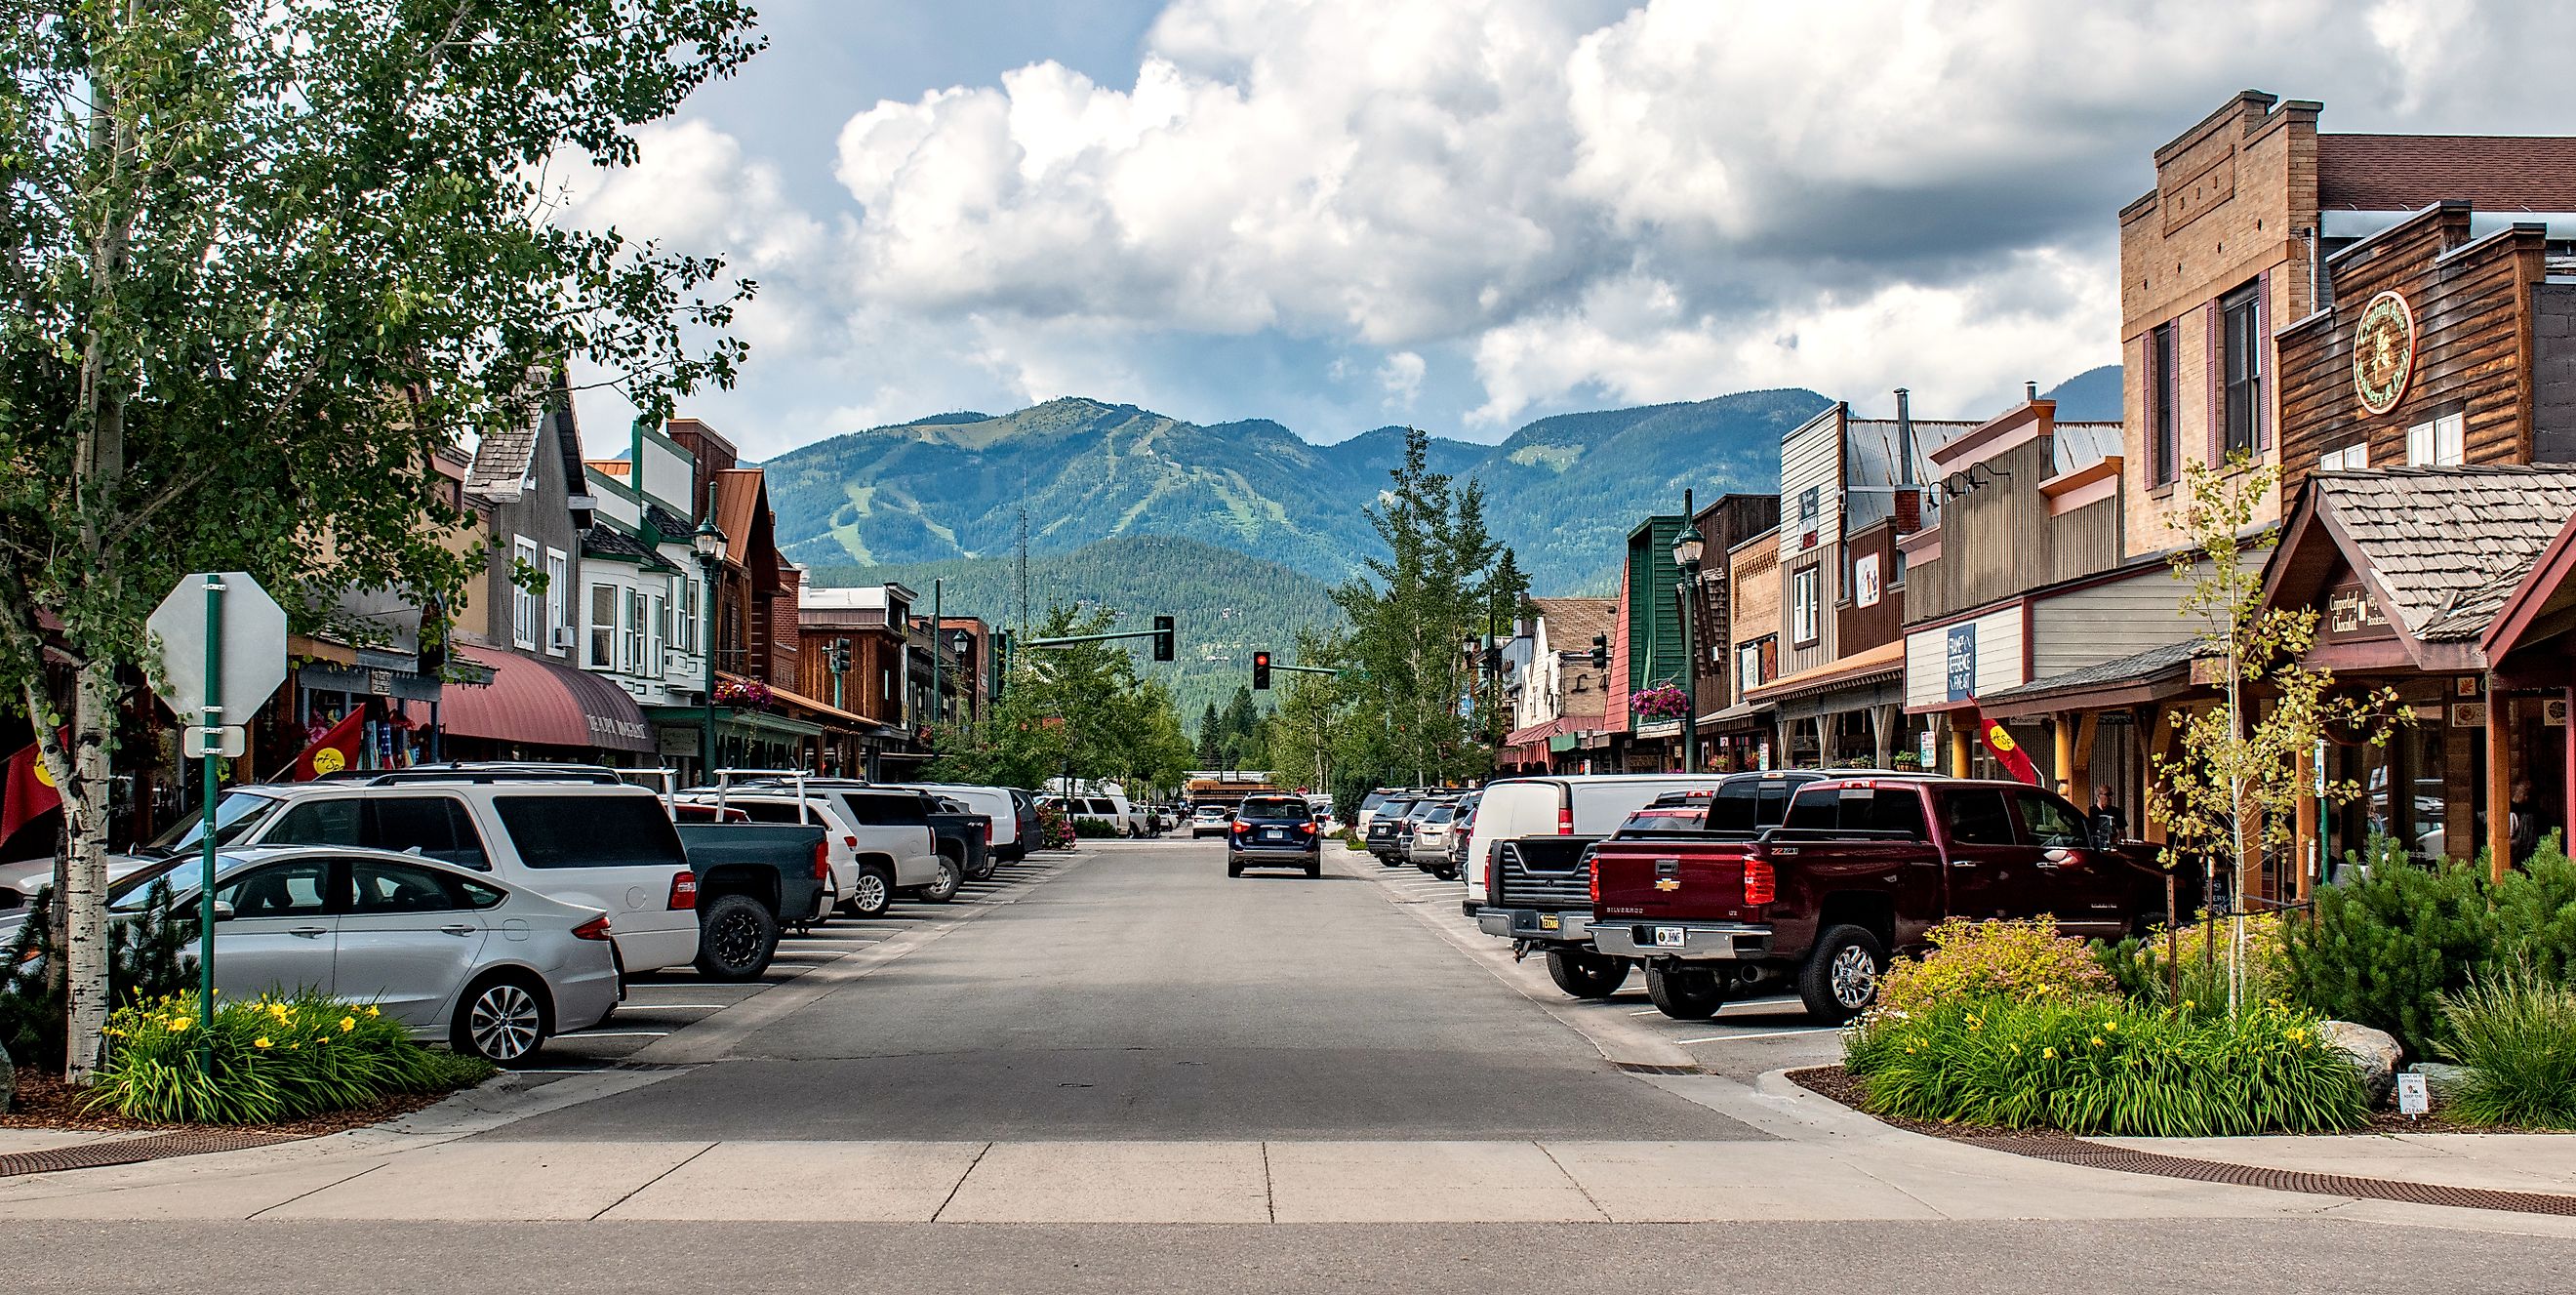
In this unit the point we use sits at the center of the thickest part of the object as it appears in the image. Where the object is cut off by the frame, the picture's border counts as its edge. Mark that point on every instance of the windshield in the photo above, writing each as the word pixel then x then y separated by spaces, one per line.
pixel 127 894
pixel 239 814
pixel 1439 814
pixel 1375 799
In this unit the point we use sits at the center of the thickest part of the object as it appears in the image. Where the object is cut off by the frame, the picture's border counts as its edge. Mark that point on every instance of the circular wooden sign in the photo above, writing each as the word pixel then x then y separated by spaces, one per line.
pixel 2383 352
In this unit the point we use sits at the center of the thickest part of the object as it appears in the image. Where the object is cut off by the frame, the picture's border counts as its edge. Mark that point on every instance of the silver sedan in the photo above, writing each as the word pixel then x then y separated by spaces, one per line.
pixel 454 954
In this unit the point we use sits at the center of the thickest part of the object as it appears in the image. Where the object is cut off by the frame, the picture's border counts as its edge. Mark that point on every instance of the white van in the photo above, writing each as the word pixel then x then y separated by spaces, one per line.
pixel 1574 805
pixel 994 803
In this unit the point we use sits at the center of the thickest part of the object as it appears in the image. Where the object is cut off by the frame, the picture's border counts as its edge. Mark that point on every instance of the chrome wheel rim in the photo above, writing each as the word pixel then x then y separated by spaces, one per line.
pixel 503 1023
pixel 949 876
pixel 869 893
pixel 1855 976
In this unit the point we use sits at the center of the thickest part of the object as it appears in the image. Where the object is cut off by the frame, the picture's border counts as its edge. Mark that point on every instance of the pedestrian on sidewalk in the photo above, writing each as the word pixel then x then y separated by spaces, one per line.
pixel 2110 823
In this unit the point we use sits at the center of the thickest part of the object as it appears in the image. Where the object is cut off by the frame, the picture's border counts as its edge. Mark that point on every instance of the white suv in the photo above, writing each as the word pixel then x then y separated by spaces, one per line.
pixel 597 843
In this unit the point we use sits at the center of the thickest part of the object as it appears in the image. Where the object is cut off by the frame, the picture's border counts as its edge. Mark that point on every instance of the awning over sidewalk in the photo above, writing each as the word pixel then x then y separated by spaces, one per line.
pixel 2152 675
pixel 1871 665
pixel 542 704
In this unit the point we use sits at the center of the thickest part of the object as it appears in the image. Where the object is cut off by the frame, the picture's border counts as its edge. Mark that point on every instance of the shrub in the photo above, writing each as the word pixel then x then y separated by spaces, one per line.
pixel 1093 829
pixel 2106 1068
pixel 1055 831
pixel 148 956
pixel 2381 952
pixel 2515 1031
pixel 2535 915
pixel 2014 960
pixel 2139 966
pixel 274 1059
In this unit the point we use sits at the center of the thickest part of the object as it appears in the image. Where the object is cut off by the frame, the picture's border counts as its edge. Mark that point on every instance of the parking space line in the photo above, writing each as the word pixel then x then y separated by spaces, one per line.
pixel 615 1034
pixel 674 1007
pixel 1774 1034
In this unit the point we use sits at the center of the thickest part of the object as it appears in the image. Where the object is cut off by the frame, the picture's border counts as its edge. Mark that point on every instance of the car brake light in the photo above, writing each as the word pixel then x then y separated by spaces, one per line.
pixel 822 862
pixel 1760 887
pixel 594 929
pixel 1242 827
pixel 1565 820
pixel 684 891
pixel 1596 879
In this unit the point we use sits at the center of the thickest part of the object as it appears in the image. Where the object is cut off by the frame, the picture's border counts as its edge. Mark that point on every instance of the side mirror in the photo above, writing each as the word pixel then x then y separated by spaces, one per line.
pixel 223 911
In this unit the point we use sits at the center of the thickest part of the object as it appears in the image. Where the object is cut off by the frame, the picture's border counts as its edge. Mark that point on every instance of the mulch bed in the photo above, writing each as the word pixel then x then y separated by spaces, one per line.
pixel 46 1102
pixel 1845 1087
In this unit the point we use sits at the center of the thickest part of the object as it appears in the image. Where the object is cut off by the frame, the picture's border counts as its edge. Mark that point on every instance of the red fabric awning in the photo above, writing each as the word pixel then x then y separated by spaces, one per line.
pixel 542 704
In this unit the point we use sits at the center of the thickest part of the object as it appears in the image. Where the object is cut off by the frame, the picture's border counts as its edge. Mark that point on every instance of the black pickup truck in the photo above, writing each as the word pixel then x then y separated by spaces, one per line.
pixel 963 835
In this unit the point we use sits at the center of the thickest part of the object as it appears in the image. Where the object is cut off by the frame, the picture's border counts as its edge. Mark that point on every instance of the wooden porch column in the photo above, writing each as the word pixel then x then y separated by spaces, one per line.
pixel 2304 844
pixel 1958 747
pixel 2499 782
pixel 2568 765
pixel 2062 729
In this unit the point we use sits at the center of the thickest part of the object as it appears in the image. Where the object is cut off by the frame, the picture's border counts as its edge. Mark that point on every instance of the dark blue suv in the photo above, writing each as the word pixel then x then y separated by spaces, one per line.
pixel 1274 832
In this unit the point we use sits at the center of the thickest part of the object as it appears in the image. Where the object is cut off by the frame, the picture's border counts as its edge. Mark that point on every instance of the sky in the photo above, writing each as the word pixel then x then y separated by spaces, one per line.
pixel 1466 214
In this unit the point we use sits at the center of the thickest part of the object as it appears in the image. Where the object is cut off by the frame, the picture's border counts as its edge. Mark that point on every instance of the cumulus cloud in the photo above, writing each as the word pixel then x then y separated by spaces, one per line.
pixel 1571 203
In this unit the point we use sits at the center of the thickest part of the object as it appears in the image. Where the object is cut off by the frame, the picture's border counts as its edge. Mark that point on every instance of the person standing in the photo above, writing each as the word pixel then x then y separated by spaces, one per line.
pixel 2110 823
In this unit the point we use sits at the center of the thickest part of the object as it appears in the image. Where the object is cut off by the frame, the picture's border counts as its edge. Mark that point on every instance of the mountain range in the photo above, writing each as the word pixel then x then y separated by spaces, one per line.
pixel 1563 491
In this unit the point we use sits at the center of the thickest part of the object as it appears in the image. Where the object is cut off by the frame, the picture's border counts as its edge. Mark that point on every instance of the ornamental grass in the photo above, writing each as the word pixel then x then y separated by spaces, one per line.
pixel 2515 1031
pixel 2105 1067
pixel 275 1058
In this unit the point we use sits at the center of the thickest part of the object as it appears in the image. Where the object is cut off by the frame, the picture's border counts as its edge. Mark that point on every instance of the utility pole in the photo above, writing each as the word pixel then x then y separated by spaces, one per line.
pixel 938 633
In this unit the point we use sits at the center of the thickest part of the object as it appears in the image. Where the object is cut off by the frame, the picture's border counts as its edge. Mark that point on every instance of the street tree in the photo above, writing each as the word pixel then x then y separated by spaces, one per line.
pixel 268 258
pixel 2231 792
pixel 1079 711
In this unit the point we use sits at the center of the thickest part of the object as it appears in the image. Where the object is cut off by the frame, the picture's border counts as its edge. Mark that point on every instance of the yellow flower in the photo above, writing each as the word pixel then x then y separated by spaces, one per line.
pixel 260 1042
pixel 178 1025
pixel 2111 1025
pixel 2048 1054
pixel 2097 1040
pixel 2187 1004
pixel 371 1010
pixel 348 1023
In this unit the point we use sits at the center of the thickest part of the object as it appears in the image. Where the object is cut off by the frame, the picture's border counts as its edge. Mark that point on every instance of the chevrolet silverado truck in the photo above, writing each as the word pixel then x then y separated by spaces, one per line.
pixel 1859 871
pixel 1538 889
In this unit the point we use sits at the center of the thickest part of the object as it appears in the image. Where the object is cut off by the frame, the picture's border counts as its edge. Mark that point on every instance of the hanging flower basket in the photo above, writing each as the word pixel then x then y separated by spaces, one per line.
pixel 744 694
pixel 1663 701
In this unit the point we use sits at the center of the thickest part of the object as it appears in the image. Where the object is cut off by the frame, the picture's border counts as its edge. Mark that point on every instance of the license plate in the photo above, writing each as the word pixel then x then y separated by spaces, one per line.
pixel 1274 835
pixel 1670 937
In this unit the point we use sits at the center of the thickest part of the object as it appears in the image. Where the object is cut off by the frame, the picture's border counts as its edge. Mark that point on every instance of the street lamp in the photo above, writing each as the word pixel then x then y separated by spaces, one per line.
pixel 1688 547
pixel 709 544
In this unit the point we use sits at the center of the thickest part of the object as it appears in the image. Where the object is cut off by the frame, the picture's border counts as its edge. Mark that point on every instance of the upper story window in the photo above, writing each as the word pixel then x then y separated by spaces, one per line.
pixel 2350 458
pixel 2240 315
pixel 2440 443
pixel 603 627
pixel 1804 606
pixel 558 598
pixel 2164 391
pixel 525 608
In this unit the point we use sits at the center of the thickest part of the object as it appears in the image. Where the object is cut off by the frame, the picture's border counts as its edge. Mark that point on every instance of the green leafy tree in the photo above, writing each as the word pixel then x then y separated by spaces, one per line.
pixel 2232 791
pixel 267 259
pixel 1078 711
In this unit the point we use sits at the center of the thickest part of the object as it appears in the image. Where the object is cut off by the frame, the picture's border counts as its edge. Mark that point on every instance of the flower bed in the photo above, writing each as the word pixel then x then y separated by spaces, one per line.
pixel 274 1060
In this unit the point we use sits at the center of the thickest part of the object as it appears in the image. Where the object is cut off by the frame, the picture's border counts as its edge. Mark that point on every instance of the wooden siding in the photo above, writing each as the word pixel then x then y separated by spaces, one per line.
pixel 1755 613
pixel 1654 624
pixel 2104 622
pixel 1861 628
pixel 1730 521
pixel 1999 541
pixel 1999 656
pixel 2473 323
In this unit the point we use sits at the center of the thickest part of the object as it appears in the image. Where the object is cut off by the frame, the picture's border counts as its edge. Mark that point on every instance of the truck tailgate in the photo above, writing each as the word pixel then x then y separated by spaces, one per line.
pixel 1676 880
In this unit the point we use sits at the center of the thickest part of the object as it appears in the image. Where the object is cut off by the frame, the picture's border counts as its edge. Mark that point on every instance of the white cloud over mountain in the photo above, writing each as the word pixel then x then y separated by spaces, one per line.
pixel 1474 211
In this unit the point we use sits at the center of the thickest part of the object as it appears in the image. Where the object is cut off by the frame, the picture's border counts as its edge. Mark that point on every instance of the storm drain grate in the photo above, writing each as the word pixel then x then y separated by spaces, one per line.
pixel 159 1146
pixel 1644 1068
pixel 2075 1151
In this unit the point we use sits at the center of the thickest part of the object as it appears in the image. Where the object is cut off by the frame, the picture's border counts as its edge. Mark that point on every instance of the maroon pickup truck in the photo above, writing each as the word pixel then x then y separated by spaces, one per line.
pixel 1861 868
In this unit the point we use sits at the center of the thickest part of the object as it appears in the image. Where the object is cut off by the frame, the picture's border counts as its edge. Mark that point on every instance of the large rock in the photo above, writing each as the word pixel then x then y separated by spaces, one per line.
pixel 2441 1082
pixel 2373 1052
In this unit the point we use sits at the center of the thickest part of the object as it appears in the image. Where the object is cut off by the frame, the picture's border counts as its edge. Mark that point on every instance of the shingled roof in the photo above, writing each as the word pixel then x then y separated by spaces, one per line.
pixel 2410 172
pixel 2449 545
pixel 1571 622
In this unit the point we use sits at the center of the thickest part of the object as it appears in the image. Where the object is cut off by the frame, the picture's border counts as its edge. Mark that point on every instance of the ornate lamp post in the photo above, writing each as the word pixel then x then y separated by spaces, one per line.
pixel 709 544
pixel 1687 550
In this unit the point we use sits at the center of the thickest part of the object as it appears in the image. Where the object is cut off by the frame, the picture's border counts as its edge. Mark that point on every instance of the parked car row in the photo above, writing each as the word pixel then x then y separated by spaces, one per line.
pixel 496 905
pixel 1804 880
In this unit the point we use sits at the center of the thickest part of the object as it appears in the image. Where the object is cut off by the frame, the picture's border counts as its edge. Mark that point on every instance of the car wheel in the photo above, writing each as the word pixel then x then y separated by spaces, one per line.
pixel 1684 992
pixel 872 891
pixel 985 873
pixel 951 876
pixel 503 1018
pixel 1233 868
pixel 736 938
pixel 1840 979
pixel 1386 861
pixel 1584 974
pixel 1315 867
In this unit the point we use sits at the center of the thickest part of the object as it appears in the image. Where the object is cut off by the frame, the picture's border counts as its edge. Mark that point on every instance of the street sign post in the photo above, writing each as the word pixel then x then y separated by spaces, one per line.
pixel 217 668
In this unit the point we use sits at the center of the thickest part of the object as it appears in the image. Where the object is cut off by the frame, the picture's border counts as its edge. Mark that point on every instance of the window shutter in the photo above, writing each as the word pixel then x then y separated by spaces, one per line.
pixel 2214 331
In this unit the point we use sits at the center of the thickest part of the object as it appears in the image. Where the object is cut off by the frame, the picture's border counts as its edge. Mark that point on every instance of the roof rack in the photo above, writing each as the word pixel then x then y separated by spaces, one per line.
pixel 483 773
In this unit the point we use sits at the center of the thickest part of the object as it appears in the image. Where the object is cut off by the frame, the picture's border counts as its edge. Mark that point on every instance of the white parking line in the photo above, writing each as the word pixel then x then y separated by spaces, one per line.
pixel 675 1007
pixel 1775 1034
pixel 614 1034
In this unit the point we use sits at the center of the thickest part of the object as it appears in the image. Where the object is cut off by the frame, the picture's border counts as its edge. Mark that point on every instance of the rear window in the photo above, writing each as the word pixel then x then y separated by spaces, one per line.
pixel 436 826
pixel 590 831
pixel 1667 818
pixel 1859 809
pixel 886 809
pixel 774 811
pixel 1275 808
pixel 1374 799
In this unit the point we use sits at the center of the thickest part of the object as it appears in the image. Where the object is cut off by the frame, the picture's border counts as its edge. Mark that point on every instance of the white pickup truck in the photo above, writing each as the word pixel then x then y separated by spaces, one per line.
pixel 879 838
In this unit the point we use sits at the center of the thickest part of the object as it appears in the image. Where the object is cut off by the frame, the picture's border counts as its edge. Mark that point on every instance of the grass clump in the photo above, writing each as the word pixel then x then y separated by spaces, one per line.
pixel 2515 1031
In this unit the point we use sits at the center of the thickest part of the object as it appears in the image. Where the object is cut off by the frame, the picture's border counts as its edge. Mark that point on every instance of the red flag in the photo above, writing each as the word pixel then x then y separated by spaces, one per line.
pixel 335 750
pixel 2000 741
pixel 26 792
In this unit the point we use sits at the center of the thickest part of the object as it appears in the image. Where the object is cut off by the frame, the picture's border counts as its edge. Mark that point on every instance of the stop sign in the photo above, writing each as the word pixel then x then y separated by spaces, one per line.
pixel 250 646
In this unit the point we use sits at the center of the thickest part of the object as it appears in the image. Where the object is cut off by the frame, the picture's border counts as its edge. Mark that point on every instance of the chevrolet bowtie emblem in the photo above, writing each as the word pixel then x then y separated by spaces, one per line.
pixel 1668 883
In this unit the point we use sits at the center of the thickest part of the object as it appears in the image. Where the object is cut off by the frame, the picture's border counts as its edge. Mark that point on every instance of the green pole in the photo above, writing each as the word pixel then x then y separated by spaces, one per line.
pixel 212 741
pixel 707 735
pixel 938 631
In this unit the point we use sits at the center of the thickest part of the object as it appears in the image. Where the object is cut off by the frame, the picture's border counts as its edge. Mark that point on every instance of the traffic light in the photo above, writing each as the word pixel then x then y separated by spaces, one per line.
pixel 1260 670
pixel 1600 651
pixel 1162 638
pixel 839 657
pixel 1001 661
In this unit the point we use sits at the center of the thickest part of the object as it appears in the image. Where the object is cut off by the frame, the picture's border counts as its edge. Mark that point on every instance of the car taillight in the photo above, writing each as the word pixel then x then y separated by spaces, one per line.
pixel 684 891
pixel 594 929
pixel 822 862
pixel 1760 887
pixel 988 833
pixel 1565 820
pixel 1596 880
pixel 1307 829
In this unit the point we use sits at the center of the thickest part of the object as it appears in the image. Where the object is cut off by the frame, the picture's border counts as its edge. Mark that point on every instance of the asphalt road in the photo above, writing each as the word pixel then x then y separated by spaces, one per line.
pixel 1142 994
